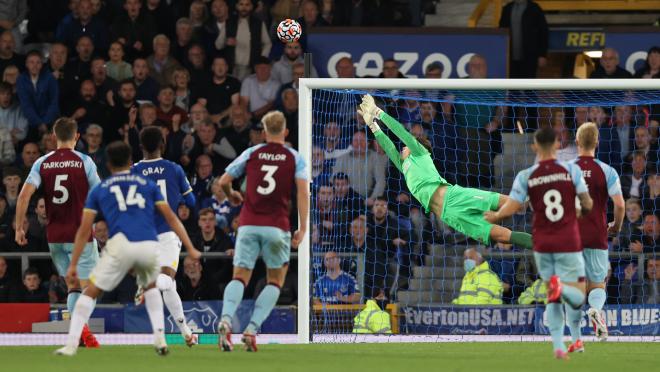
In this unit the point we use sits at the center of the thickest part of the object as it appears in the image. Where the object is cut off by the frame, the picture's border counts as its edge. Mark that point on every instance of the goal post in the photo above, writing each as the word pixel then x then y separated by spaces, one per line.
pixel 576 93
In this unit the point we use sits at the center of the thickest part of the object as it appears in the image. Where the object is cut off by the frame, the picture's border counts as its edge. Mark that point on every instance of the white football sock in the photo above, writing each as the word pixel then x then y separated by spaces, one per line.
pixel 154 304
pixel 81 313
pixel 173 303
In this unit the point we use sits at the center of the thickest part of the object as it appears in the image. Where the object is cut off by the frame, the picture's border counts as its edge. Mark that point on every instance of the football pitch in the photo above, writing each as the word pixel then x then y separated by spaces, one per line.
pixel 408 357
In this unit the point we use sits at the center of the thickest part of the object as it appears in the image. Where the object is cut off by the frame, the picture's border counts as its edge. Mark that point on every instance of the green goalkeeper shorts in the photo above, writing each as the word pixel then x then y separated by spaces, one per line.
pixel 463 209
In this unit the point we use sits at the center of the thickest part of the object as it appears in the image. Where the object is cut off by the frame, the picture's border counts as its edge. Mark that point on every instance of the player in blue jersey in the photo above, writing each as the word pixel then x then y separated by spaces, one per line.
pixel 128 203
pixel 552 187
pixel 175 188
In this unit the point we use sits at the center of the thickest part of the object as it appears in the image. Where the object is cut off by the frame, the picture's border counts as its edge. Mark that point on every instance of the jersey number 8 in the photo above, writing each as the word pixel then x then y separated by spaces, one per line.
pixel 554 211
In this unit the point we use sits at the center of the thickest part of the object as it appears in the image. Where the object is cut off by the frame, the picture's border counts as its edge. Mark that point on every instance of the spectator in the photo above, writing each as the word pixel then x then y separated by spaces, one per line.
pixel 195 285
pixel 8 55
pixel 161 64
pixel 632 225
pixel 332 145
pixel 529 37
pixel 134 29
pixel 651 200
pixel 608 67
pixel 336 286
pixel 31 291
pixel 13 124
pixel 93 140
pixel 212 238
pixel 642 292
pixel 325 214
pixel 104 84
pixel 124 110
pixel 57 58
pixel 480 285
pixel 180 81
pixel 37 223
pixel 249 37
pixel 11 179
pixel 283 69
pixel 48 143
pixel 567 150
pixel 38 93
pixel 86 109
pixel 215 30
pixel 320 169
pixel 183 39
pixel 198 15
pixel 85 25
pixel 146 86
pixel 7 286
pixel 167 110
pixel 650 237
pixel 311 18
pixel 391 70
pixel 220 92
pixel 196 64
pixel 632 184
pixel 371 182
pixel 203 177
pixel 259 89
pixel 78 68
pixel 651 68
pixel 29 155
pixel 12 14
pixel 387 242
pixel 297 72
pixel 116 67
pixel 257 135
pixel 480 126
pixel 218 202
pixel 290 111
pixel 101 234
pixel 185 215
pixel 643 143
pixel 163 16
pixel 345 68
pixel 535 294
pixel 348 203
pixel 235 137
pixel 10 76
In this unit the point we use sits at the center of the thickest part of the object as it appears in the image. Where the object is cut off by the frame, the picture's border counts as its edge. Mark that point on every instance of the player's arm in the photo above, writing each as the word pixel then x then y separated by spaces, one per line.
pixel 82 236
pixel 21 209
pixel 383 140
pixel 178 228
pixel 515 201
pixel 302 198
pixel 235 197
pixel 370 110
pixel 614 190
pixel 586 203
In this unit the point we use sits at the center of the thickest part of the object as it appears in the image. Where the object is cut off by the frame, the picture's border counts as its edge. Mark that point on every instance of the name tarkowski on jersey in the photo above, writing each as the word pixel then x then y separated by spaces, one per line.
pixel 62 164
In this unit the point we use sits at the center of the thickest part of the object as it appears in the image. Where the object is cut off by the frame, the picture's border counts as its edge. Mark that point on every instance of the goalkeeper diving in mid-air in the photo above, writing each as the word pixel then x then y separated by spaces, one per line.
pixel 459 207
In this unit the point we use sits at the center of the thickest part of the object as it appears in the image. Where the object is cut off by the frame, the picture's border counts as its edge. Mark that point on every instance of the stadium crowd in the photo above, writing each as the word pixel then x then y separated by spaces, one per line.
pixel 205 72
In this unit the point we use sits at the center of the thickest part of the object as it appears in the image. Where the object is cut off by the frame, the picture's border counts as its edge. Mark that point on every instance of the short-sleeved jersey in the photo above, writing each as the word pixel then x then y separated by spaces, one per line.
pixel 552 187
pixel 128 203
pixel 171 180
pixel 602 182
pixel 271 170
pixel 66 176
pixel 325 288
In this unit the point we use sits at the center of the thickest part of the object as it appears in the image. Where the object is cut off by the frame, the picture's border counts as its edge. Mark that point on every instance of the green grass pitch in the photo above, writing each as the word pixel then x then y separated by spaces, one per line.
pixel 469 357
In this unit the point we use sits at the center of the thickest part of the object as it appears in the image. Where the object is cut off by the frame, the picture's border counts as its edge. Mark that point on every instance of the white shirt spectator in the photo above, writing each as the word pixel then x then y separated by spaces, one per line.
pixel 259 93
pixel 282 72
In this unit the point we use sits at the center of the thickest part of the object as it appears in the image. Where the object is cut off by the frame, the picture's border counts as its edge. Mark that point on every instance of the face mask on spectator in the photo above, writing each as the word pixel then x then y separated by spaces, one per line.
pixel 469 264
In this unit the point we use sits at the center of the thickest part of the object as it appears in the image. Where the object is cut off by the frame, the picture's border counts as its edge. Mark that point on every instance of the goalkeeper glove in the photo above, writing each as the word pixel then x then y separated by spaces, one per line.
pixel 370 112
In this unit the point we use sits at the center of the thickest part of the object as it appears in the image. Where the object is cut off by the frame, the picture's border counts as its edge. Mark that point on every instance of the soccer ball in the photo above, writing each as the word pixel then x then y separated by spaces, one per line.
pixel 289 31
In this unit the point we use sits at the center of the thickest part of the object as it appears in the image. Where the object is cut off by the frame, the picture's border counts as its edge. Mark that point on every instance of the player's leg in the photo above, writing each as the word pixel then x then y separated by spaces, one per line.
pixel 88 260
pixel 569 270
pixel 553 310
pixel 169 248
pixel 596 263
pixel 61 260
pixel 276 254
pixel 144 256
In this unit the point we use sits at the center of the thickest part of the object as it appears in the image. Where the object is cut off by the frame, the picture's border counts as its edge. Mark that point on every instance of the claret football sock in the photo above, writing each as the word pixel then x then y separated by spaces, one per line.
pixel 231 299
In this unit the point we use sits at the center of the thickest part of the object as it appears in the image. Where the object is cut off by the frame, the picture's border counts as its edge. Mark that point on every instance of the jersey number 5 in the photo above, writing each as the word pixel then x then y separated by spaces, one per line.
pixel 554 211
pixel 132 198
pixel 268 178
pixel 59 187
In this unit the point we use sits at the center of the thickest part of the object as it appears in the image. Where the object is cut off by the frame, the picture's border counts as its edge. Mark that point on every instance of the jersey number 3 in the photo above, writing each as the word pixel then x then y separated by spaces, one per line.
pixel 132 198
pixel 268 178
pixel 554 211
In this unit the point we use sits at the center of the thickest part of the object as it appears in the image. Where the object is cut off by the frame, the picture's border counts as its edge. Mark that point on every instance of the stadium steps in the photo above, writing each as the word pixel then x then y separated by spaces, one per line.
pixel 512 160
pixel 418 297
pixel 425 272
pixel 440 261
pixel 448 285
pixel 455 13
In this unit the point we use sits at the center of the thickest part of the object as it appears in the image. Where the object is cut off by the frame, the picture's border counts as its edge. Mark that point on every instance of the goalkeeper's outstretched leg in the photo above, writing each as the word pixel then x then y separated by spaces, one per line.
pixel 459 207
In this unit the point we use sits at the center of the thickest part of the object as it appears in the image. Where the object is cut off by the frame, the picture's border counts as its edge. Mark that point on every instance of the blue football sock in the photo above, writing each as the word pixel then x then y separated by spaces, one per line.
pixel 597 298
pixel 555 316
pixel 231 299
pixel 573 318
pixel 572 296
pixel 71 299
pixel 262 307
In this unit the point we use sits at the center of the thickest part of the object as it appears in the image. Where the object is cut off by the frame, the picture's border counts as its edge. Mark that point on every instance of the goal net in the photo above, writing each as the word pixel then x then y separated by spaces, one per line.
pixel 370 239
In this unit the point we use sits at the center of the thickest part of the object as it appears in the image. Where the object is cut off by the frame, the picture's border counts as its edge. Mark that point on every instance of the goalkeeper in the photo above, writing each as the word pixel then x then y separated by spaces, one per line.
pixel 459 207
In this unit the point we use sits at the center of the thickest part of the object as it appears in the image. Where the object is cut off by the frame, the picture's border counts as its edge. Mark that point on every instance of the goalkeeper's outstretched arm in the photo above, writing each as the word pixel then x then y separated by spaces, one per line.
pixel 368 107
pixel 383 140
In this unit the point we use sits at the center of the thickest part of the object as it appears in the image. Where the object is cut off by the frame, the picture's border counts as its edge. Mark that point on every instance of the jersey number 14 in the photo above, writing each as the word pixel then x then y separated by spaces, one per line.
pixel 132 197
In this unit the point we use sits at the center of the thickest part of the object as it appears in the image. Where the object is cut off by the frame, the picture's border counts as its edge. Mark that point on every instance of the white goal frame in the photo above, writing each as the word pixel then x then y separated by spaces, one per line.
pixel 305 135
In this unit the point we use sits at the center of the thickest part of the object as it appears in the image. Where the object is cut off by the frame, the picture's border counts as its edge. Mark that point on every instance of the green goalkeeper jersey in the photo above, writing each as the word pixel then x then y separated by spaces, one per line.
pixel 422 178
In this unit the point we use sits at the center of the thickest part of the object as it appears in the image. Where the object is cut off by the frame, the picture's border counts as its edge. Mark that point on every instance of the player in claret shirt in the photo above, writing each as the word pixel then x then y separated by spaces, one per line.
pixel 65 176
pixel 272 171
pixel 552 187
